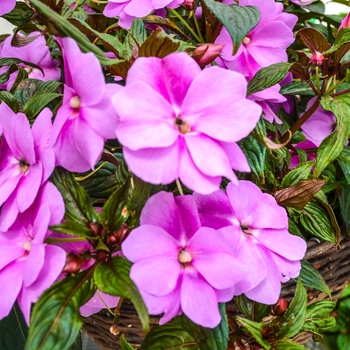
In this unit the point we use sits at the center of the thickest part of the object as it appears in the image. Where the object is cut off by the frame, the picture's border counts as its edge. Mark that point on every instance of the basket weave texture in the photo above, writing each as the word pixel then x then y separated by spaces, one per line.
pixel 332 261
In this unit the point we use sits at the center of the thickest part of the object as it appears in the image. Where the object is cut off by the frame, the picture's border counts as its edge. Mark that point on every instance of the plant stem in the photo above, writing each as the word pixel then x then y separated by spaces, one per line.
pixel 178 184
pixel 82 178
pixel 197 27
pixel 185 24
pixel 296 126
pixel 63 240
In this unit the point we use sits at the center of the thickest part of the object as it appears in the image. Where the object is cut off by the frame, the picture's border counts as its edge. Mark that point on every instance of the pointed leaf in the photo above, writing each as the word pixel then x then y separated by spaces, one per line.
pixel 300 172
pixel 318 317
pixel 287 345
pixel 124 344
pixel 313 40
pixel 311 278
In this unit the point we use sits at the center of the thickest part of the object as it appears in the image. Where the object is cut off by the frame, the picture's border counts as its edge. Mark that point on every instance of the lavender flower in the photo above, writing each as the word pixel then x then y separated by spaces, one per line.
pixel 26 161
pixel 186 122
pixel 7 6
pixel 259 228
pixel 87 117
pixel 178 265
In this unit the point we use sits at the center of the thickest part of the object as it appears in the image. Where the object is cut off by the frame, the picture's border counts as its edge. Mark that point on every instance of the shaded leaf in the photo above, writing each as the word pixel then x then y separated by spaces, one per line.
pixel 38 102
pixel 113 278
pixel 313 40
pixel 344 161
pixel 287 345
pixel 55 322
pixel 255 330
pixel 252 308
pixel 268 76
pixel 300 172
pixel 238 20
pixel 72 228
pixel 124 344
pixel 299 195
pixel 20 15
pixel 311 278
pixel 10 100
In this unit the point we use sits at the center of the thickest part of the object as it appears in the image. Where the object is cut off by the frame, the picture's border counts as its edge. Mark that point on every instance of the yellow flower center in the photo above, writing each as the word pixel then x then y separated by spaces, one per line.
pixel 184 257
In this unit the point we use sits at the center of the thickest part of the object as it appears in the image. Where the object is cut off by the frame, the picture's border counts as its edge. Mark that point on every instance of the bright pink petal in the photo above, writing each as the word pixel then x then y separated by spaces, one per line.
pixel 9 212
pixel 141 124
pixel 149 242
pixel 170 76
pixel 33 264
pixel 9 179
pixel 156 275
pixel 9 252
pixel 288 269
pixel 154 165
pixel 237 159
pixel 6 7
pixel 198 300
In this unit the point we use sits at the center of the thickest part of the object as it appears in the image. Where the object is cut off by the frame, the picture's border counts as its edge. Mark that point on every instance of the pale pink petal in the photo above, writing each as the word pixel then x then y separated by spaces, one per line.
pixel 9 179
pixel 288 269
pixel 33 264
pixel 9 252
pixel 9 212
pixel 237 159
pixel 6 7
pixel 97 302
pixel 198 300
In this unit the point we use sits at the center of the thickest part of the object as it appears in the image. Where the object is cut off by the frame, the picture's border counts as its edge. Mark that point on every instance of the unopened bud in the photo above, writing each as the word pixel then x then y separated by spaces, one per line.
pixel 207 53
pixel 345 23
pixel 188 5
pixel 73 264
pixel 317 58
pixel 95 228
pixel 280 307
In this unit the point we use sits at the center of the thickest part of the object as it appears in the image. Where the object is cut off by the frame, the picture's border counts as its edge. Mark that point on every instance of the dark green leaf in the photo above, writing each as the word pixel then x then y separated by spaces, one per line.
pixel 344 161
pixel 316 221
pixel 318 317
pixel 238 20
pixel 20 15
pixel 76 200
pixel 10 61
pixel 112 277
pixel 343 37
pixel 287 345
pixel 10 100
pixel 255 330
pixel 311 278
pixel 343 341
pixel 344 203
pixel 158 44
pixel 21 76
pixel 332 145
pixel 56 321
pixel 37 103
pixel 267 77
pixel 255 154
pixel 296 311
pixel 124 344
pixel 13 330
pixel 114 212
pixel 300 172
pixel 297 88
pixel 252 309
pixel 73 228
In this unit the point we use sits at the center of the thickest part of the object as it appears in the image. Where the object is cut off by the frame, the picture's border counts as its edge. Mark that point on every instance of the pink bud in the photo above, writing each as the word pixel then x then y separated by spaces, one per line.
pixel 317 58
pixel 345 23
pixel 207 53
pixel 73 263
pixel 280 307
pixel 188 5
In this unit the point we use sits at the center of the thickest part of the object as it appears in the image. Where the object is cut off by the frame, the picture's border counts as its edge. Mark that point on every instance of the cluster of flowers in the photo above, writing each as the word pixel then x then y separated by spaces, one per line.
pixel 190 250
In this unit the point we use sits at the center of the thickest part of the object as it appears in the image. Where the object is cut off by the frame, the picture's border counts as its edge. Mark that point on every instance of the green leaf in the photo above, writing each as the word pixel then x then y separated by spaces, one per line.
pixel 316 221
pixel 343 341
pixel 57 25
pixel 158 44
pixel 124 344
pixel 287 345
pixel 20 15
pixel 297 88
pixel 344 202
pixel 313 40
pixel 238 20
pixel 73 228
pixel 296 312
pixel 332 145
pixel 113 278
pixel 56 321
pixel 300 172
pixel 10 61
pixel 113 213
pixel 311 278
pixel 255 154
pixel 76 200
pixel 343 37
pixel 318 317
pixel 344 161
pixel 255 330
pixel 10 100
pixel 37 103
pixel 252 308
pixel 13 330
pixel 182 333
pixel 268 76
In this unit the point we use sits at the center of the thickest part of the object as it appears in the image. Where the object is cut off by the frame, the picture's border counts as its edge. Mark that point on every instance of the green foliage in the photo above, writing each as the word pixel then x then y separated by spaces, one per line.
pixel 255 330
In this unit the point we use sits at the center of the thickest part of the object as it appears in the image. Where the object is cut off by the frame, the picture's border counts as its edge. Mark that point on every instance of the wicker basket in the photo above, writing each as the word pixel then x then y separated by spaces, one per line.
pixel 332 261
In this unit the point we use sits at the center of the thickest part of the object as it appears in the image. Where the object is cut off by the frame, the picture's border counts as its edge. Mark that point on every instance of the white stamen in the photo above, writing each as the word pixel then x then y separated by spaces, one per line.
pixel 75 102
pixel 185 257
pixel 246 40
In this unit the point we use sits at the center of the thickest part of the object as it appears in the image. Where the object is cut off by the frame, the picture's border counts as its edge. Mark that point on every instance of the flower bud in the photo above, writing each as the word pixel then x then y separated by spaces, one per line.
pixel 73 263
pixel 95 228
pixel 206 53
pixel 188 5
pixel 345 23
pixel 317 58
pixel 280 307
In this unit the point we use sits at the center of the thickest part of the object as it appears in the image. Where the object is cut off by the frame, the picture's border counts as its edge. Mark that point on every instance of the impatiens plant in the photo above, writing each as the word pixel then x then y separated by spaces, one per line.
pixel 179 159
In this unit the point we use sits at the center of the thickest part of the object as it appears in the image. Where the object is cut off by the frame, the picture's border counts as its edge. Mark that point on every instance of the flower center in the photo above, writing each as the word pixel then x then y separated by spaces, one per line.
pixel 184 256
pixel 24 166
pixel 27 245
pixel 246 41
pixel 75 102
pixel 183 127
pixel 28 69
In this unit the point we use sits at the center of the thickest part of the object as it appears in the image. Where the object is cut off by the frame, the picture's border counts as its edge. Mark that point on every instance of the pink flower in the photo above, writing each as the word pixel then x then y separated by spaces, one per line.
pixel 303 2
pixel 7 6
pixel 345 23
pixel 35 52
pixel 319 125
pixel 28 266
pixel 127 10
pixel 317 58
pixel 306 146
pixel 26 161
pixel 264 45
pixel 259 228
pixel 185 123
pixel 206 53
pixel 178 265
pixel 87 117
